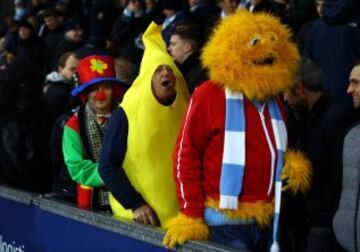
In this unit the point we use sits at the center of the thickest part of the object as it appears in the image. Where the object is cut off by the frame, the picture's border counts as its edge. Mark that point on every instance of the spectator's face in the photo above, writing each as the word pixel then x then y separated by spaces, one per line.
pixel 35 2
pixel 229 6
pixel 33 21
pixel 179 48
pixel 255 2
pixel 135 5
pixel 100 97
pixel 319 6
pixel 52 22
pixel 75 35
pixel 150 4
pixel 294 98
pixel 70 67
pixel 169 13
pixel 354 86
pixel 123 3
pixel 193 2
pixel 9 57
pixel 163 84
pixel 24 32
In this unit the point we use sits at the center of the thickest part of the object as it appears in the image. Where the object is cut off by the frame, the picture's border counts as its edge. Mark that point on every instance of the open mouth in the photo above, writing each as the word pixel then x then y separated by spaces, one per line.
pixel 165 83
pixel 266 61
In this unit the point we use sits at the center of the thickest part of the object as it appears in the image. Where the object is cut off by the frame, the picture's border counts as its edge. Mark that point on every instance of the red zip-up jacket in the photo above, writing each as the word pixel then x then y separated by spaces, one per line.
pixel 199 150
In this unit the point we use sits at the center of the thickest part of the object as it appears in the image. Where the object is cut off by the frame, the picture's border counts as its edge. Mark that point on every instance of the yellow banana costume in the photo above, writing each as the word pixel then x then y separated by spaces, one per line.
pixel 152 132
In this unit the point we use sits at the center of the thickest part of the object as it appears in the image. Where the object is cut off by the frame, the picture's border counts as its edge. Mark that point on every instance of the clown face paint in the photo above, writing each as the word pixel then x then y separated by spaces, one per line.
pixel 100 97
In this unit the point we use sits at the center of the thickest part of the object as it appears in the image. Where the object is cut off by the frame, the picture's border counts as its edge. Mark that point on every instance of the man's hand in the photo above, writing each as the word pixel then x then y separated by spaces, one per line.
pixel 146 215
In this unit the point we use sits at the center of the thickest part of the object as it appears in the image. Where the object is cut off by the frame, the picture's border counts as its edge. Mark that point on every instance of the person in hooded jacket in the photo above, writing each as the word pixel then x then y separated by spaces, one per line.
pixel 333 43
pixel 29 46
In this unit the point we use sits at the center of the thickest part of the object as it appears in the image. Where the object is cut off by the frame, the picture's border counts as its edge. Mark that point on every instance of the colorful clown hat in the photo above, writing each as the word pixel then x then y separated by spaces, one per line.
pixel 95 69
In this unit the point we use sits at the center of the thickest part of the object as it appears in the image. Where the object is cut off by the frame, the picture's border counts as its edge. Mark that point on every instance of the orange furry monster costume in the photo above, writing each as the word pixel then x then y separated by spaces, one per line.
pixel 231 158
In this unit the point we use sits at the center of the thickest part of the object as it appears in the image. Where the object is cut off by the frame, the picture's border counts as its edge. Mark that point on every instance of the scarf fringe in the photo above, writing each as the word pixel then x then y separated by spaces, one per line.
pixel 228 202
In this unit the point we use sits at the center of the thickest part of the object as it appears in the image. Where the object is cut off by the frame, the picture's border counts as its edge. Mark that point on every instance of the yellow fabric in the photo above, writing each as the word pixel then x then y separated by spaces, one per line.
pixel 85 187
pixel 118 210
pixel 183 228
pixel 297 172
pixel 232 51
pixel 261 211
pixel 153 129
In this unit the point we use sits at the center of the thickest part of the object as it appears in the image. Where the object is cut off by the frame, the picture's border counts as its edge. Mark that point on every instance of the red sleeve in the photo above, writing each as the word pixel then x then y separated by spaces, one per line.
pixel 73 123
pixel 189 148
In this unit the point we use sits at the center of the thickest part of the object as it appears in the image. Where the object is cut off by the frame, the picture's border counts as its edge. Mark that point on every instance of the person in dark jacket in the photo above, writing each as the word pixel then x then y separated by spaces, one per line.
pixel 59 84
pixel 95 44
pixel 202 10
pixel 303 32
pixel 275 7
pixel 185 45
pixel 321 139
pixel 173 15
pixel 71 40
pixel 24 130
pixel 52 32
pixel 127 27
pixel 333 43
pixel 300 12
pixel 29 46
pixel 227 8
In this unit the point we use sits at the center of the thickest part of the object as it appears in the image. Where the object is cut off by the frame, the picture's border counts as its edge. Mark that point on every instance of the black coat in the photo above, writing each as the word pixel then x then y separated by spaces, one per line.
pixel 62 47
pixel 333 43
pixel 322 141
pixel 51 40
pixel 193 72
pixel 57 98
pixel 319 133
pixel 31 50
pixel 24 130
pixel 24 152
pixel 125 31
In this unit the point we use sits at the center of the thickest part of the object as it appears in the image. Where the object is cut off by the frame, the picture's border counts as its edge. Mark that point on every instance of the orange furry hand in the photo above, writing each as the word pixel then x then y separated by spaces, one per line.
pixel 182 229
pixel 297 172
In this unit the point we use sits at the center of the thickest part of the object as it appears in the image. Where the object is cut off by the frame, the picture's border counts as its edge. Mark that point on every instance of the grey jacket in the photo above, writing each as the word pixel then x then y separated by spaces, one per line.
pixel 346 222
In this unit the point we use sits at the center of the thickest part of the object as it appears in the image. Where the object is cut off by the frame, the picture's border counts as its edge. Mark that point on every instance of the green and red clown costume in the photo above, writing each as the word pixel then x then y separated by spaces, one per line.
pixel 82 165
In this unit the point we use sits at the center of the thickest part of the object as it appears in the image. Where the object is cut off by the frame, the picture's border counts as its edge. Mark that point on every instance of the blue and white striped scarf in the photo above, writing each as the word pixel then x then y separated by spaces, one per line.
pixel 233 163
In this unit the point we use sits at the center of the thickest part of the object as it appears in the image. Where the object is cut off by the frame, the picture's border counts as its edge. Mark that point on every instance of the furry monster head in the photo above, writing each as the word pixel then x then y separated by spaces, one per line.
pixel 252 54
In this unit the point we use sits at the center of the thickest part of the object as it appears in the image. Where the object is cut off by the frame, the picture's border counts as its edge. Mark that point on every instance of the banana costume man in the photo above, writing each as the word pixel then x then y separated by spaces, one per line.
pixel 230 157
pixel 136 158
